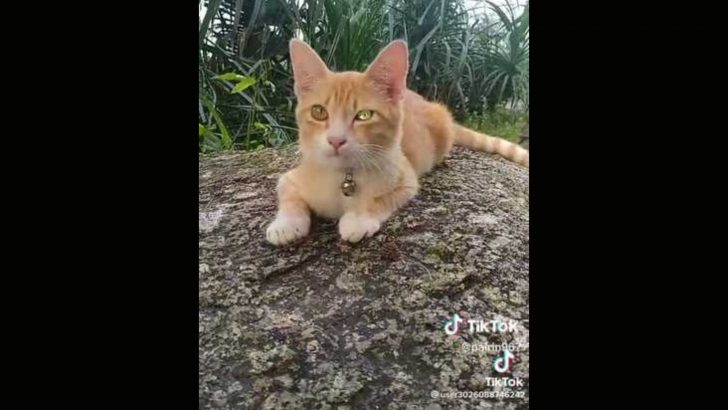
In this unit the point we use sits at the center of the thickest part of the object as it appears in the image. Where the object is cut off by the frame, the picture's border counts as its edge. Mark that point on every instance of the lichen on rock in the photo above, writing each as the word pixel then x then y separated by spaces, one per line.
pixel 324 324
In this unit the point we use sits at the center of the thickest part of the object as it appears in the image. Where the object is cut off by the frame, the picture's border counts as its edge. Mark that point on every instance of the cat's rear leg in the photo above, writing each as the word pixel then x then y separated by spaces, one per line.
pixel 444 136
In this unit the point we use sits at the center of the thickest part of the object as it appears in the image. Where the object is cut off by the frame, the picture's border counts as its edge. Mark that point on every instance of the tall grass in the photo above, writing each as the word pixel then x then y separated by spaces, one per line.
pixel 245 83
pixel 500 122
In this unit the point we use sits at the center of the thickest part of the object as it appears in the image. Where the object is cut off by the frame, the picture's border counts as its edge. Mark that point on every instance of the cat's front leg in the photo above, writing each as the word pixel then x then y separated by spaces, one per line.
pixel 354 226
pixel 293 219
pixel 365 222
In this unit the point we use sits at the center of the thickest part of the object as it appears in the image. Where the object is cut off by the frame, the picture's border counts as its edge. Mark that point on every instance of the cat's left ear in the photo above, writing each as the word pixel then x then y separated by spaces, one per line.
pixel 388 72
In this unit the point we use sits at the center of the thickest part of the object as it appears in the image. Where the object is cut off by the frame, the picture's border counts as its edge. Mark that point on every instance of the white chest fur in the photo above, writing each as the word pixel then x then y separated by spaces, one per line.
pixel 322 190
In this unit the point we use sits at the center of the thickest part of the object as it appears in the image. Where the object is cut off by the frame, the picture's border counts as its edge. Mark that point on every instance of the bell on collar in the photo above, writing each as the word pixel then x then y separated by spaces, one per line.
pixel 348 187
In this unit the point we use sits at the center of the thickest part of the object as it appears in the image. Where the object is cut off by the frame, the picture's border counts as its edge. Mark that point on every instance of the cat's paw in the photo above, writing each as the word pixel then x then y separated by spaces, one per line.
pixel 286 229
pixel 354 227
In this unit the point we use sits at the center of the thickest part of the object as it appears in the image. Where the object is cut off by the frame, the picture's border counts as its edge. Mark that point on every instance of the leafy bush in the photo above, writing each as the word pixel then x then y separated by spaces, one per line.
pixel 500 122
pixel 245 82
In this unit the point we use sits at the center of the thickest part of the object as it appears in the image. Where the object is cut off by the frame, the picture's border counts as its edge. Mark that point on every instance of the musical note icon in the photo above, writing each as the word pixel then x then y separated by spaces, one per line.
pixel 503 364
pixel 451 326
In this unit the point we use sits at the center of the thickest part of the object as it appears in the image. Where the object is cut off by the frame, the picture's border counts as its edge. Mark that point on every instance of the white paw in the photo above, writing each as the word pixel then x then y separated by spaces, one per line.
pixel 286 229
pixel 354 227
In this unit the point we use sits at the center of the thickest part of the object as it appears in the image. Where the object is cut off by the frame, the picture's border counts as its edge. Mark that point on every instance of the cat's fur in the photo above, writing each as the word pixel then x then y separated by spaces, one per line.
pixel 405 138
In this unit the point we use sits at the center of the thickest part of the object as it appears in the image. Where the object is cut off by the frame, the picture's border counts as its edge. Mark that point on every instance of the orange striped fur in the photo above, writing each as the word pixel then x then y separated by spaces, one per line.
pixel 404 137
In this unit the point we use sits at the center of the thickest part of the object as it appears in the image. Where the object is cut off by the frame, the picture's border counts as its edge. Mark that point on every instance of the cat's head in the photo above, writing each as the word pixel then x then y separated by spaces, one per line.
pixel 346 118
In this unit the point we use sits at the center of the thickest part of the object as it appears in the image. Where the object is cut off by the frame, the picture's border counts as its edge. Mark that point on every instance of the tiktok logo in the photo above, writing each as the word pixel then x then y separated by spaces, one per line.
pixel 503 364
pixel 452 326
pixel 458 325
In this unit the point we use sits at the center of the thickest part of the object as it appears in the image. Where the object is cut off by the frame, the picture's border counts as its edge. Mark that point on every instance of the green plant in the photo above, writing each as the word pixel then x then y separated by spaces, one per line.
pixel 347 33
pixel 500 122
pixel 473 65
pixel 507 60
pixel 235 91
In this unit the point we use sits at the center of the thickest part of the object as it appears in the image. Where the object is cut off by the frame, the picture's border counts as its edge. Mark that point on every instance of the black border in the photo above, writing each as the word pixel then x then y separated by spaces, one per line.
pixel 620 149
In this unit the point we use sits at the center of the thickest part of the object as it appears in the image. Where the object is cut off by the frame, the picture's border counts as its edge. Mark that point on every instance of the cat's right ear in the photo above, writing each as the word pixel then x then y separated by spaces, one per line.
pixel 308 68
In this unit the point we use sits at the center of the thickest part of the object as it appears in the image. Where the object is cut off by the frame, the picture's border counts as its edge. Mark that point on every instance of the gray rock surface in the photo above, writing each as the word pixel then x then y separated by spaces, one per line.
pixel 324 324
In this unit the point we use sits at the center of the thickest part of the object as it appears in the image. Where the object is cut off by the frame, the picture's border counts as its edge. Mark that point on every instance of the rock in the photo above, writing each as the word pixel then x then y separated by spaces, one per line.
pixel 324 324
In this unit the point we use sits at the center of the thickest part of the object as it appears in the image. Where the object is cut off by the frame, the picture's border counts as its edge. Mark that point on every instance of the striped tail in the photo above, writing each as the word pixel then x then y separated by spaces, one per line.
pixel 481 142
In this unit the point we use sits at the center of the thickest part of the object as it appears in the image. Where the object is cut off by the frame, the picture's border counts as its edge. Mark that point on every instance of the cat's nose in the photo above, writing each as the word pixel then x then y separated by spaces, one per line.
pixel 337 142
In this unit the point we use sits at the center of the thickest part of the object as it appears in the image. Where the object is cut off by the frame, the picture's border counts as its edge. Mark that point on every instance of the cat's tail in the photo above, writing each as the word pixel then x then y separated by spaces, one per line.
pixel 494 145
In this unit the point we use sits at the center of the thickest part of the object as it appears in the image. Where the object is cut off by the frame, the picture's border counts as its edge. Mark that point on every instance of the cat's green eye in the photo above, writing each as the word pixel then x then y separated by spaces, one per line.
pixel 364 115
pixel 319 113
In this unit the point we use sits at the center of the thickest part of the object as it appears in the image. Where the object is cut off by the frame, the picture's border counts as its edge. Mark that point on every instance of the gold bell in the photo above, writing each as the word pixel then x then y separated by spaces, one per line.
pixel 348 187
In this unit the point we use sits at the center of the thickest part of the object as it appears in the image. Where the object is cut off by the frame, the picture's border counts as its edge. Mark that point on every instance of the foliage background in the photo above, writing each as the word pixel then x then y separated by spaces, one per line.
pixel 476 63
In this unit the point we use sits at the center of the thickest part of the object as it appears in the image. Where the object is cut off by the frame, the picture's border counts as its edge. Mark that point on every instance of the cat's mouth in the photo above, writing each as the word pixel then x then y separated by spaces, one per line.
pixel 341 152
pixel 341 158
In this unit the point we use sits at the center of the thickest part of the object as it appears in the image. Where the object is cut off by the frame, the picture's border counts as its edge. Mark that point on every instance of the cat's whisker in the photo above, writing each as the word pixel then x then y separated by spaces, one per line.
pixel 358 160
pixel 373 161
pixel 365 161
pixel 384 155
pixel 375 148
pixel 381 158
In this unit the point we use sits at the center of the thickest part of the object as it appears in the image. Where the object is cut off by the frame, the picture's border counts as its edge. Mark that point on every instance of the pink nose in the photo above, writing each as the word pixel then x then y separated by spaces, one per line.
pixel 337 142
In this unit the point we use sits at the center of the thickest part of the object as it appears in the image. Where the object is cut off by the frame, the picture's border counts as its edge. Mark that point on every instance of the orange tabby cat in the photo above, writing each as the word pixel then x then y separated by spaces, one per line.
pixel 365 139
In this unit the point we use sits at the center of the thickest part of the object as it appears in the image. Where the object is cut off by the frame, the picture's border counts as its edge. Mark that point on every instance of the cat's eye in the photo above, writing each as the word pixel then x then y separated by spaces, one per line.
pixel 364 115
pixel 319 113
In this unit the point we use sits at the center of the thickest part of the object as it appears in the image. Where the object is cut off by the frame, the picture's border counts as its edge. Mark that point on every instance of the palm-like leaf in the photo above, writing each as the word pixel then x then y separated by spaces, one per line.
pixel 469 65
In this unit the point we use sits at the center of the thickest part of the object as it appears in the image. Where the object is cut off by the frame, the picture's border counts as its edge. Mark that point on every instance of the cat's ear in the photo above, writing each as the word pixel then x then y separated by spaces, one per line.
pixel 308 68
pixel 388 72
